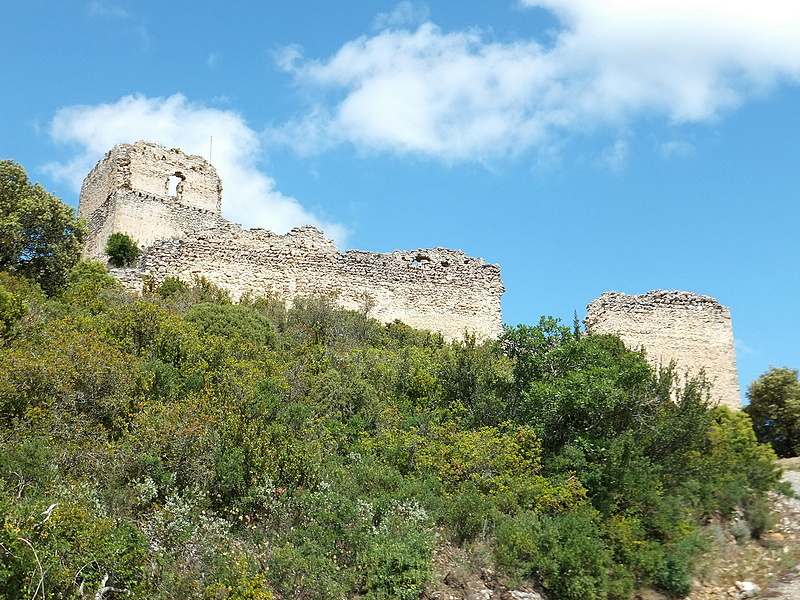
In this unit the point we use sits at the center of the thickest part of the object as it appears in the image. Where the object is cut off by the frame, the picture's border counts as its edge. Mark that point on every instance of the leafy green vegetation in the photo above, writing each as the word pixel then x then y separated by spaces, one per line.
pixel 775 410
pixel 178 445
pixel 182 446
pixel 122 249
pixel 40 237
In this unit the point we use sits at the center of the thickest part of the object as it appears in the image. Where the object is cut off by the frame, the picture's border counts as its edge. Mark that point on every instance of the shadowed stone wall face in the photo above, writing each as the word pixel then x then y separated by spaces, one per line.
pixel 693 330
pixel 438 289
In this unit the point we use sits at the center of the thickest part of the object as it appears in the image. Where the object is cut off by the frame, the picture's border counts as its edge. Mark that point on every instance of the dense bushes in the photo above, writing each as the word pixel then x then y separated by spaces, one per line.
pixel 227 320
pixel 182 446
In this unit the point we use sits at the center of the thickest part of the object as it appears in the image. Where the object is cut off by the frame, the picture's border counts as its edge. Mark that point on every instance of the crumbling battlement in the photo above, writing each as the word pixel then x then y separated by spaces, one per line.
pixel 171 204
pixel 184 235
pixel 693 330
pixel 153 170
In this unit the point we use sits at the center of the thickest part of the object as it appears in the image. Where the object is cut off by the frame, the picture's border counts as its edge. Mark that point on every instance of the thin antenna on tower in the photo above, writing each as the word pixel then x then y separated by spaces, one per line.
pixel 210 147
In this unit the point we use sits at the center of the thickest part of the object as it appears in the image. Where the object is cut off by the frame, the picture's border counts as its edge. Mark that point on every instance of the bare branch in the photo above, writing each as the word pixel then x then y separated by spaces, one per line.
pixel 49 512
pixel 41 570
pixel 100 595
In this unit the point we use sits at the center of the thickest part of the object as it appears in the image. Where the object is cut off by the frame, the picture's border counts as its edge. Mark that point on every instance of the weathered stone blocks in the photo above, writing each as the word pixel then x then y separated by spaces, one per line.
pixel 185 236
pixel 171 204
pixel 692 330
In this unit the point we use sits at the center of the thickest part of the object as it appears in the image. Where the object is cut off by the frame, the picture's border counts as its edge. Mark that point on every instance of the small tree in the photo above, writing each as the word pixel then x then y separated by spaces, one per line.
pixel 121 249
pixel 40 236
pixel 775 410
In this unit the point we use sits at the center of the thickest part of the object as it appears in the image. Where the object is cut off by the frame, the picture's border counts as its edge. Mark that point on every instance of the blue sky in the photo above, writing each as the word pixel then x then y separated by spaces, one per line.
pixel 584 145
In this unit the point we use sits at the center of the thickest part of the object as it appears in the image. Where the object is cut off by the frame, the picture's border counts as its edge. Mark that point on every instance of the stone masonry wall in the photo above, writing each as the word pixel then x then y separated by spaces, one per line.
pixel 152 166
pixel 185 236
pixel 148 168
pixel 438 289
pixel 693 330
pixel 146 219
pixel 128 192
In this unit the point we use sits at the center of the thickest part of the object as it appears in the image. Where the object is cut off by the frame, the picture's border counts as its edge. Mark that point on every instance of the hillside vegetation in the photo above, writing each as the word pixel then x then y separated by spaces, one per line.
pixel 180 446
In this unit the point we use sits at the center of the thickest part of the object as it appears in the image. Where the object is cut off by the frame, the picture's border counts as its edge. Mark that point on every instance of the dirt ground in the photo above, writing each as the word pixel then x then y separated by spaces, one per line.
pixel 772 562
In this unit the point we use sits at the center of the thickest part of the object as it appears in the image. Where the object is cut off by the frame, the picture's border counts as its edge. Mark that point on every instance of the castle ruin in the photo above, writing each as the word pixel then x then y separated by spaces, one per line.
pixel 692 330
pixel 171 203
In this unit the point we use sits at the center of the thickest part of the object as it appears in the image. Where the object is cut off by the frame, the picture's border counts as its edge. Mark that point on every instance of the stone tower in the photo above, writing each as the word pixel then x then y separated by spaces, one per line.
pixel 150 193
pixel 694 331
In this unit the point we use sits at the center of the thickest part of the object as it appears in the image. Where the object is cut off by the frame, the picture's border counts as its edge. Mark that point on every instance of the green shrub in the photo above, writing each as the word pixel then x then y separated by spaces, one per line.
pixel 89 286
pixel 759 516
pixel 397 564
pixel 565 553
pixel 12 308
pixel 171 286
pixel 121 249
pixel 674 574
pixel 228 320
pixel 469 515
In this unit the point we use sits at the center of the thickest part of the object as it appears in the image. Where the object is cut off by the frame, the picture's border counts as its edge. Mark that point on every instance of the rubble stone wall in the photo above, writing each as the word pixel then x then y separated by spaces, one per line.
pixel 148 168
pixel 146 219
pixel 693 330
pixel 438 289
pixel 185 236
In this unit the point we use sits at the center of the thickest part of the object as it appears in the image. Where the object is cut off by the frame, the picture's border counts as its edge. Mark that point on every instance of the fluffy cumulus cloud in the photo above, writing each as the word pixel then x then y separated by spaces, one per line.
pixel 462 96
pixel 249 195
pixel 615 156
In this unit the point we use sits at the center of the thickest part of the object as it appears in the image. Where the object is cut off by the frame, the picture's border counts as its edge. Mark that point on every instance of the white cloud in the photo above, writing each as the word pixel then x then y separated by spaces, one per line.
pixel 140 31
pixel 615 156
pixel 249 195
pixel 689 59
pixel 287 57
pixel 404 14
pixel 213 60
pixel 677 149
pixel 448 95
pixel 461 96
pixel 102 9
pixel 742 349
pixel 107 9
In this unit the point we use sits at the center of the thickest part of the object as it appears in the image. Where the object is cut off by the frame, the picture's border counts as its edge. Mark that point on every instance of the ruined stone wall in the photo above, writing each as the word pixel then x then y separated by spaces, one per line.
pixel 185 236
pixel 147 168
pixel 438 289
pixel 108 176
pixel 101 225
pixel 146 219
pixel 151 167
pixel 128 191
pixel 694 331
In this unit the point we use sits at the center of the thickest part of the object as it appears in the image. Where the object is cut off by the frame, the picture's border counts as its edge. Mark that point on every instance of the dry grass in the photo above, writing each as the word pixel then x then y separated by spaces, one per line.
pixel 790 464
